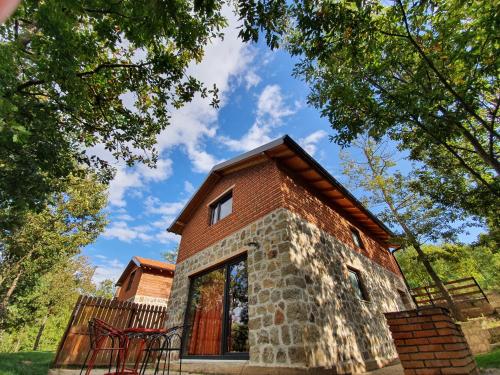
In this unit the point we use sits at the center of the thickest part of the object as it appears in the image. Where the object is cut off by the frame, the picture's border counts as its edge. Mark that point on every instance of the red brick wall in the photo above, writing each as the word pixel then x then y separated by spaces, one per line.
pixel 299 198
pixel 256 192
pixel 259 190
pixel 430 343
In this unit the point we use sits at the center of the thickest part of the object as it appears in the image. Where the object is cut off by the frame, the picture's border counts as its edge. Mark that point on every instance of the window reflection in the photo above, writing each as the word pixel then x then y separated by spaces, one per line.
pixel 205 314
pixel 217 294
pixel 237 338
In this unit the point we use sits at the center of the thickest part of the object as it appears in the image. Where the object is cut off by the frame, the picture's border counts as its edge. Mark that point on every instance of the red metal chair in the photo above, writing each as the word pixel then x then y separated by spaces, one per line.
pixel 106 338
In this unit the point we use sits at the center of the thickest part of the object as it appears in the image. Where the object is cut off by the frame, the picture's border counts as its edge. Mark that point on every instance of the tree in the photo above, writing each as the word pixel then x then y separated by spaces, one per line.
pixel 71 221
pixel 38 315
pixel 423 73
pixel 170 256
pixel 105 289
pixel 452 262
pixel 68 70
pixel 418 218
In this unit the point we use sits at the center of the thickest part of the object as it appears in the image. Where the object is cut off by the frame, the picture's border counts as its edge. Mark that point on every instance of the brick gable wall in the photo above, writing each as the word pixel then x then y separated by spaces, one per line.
pixel 257 191
pixel 261 189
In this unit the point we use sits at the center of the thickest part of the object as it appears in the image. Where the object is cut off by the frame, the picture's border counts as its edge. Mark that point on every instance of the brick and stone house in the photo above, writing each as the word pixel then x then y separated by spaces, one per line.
pixel 282 271
pixel 145 281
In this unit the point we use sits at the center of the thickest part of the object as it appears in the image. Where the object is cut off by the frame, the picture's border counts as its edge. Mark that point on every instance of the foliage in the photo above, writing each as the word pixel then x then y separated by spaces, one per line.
pixel 78 74
pixel 105 289
pixel 414 215
pixel 452 262
pixel 423 73
pixel 43 310
pixel 50 237
pixel 33 363
pixel 170 256
pixel 489 360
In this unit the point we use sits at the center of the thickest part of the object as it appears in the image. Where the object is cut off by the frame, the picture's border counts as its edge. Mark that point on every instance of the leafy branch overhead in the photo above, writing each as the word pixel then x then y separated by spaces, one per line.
pixel 77 74
pixel 424 73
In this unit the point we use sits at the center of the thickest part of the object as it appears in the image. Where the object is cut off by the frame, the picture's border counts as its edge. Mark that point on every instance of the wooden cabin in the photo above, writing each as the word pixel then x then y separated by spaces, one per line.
pixel 145 281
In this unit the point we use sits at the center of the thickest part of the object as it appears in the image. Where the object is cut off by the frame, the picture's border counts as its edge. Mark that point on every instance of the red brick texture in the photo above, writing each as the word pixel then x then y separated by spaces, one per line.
pixel 256 192
pixel 263 188
pixel 313 207
pixel 429 342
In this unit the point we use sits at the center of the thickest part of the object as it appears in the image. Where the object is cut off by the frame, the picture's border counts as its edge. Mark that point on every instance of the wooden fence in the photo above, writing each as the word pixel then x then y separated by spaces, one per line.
pixel 75 343
pixel 466 293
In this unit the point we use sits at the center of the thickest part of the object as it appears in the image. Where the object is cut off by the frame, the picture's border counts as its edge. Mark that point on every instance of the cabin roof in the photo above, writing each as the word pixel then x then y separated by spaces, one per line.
pixel 296 159
pixel 146 264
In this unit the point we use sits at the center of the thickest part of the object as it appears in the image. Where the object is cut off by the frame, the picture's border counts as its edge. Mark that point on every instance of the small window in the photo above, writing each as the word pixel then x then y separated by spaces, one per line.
pixel 222 208
pixel 356 284
pixel 130 281
pixel 356 238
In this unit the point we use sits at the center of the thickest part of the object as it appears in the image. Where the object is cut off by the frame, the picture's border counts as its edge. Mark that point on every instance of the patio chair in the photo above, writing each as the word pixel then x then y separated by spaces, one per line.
pixel 162 345
pixel 106 338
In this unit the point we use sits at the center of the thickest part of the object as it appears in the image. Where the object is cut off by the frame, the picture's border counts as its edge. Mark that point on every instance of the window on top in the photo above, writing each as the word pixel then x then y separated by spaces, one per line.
pixel 356 238
pixel 130 281
pixel 221 208
pixel 357 284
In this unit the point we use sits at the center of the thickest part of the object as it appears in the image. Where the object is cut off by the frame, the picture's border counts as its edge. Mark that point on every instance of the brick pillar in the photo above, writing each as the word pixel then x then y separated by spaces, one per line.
pixel 430 343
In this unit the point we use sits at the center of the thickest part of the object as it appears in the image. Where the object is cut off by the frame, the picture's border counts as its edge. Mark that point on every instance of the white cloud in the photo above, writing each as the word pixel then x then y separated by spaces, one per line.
pixel 251 79
pixel 155 206
pixel 107 269
pixel 188 187
pixel 309 143
pixel 192 124
pixel 271 110
pixel 120 230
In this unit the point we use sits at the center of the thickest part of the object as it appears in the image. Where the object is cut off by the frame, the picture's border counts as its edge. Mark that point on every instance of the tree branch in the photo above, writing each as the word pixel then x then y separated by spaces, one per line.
pixel 441 78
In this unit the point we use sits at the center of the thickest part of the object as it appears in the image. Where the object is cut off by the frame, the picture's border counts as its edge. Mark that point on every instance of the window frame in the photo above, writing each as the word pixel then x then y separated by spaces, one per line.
pixel 215 206
pixel 130 280
pixel 226 303
pixel 356 237
pixel 361 283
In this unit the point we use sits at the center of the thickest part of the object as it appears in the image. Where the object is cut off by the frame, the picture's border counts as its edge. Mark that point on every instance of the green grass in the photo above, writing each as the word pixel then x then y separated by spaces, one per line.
pixel 489 360
pixel 33 363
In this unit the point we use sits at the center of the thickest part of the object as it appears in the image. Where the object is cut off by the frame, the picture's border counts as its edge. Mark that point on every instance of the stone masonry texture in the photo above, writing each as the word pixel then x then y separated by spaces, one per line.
pixel 302 310
pixel 429 342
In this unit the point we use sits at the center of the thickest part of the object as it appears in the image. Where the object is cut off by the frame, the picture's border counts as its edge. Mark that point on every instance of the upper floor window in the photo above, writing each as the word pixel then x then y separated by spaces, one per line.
pixel 357 284
pixel 130 281
pixel 356 238
pixel 221 208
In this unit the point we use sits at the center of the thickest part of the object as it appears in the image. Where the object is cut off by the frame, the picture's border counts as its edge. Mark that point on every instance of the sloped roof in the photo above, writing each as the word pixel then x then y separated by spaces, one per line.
pixel 296 159
pixel 145 263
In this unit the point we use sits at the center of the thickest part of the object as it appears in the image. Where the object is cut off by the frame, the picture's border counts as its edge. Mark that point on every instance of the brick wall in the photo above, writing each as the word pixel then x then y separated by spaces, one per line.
pixel 301 199
pixel 430 343
pixel 256 192
pixel 261 189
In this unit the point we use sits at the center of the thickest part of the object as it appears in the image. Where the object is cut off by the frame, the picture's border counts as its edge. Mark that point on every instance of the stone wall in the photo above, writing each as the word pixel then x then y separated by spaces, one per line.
pixel 148 300
pixel 477 335
pixel 302 311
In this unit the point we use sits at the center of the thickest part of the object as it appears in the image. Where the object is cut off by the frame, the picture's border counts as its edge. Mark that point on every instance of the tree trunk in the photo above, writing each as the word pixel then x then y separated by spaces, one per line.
pixel 457 313
pixel 40 332
pixel 10 291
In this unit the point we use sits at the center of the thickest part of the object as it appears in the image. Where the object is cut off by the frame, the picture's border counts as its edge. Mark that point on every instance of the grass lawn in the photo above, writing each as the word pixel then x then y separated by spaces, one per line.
pixel 33 363
pixel 489 360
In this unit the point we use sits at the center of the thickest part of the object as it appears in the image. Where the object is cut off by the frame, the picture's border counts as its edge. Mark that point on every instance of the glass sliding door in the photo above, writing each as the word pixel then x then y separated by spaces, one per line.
pixel 237 311
pixel 217 313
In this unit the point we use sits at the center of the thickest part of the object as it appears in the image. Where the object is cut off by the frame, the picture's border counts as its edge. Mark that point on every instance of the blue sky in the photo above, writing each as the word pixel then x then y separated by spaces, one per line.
pixel 261 101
